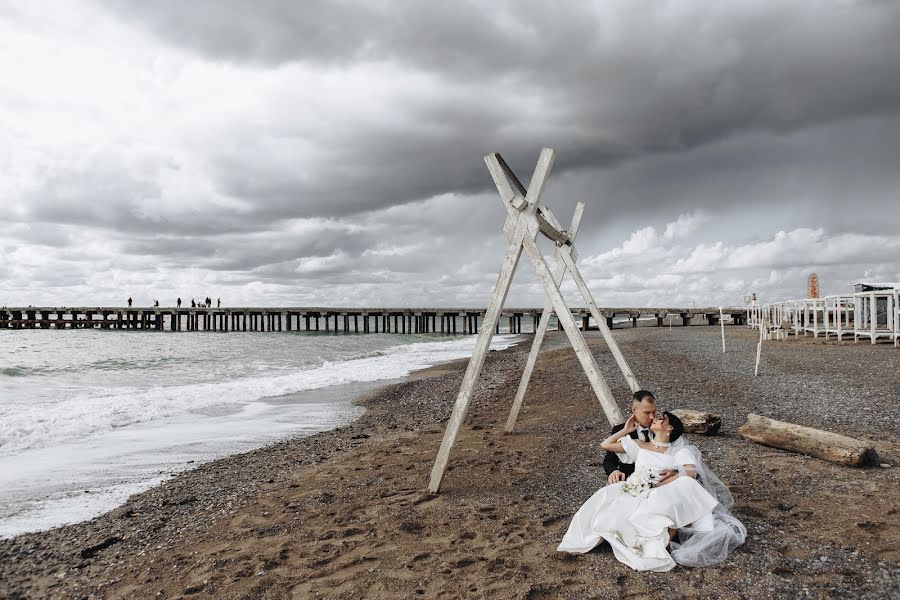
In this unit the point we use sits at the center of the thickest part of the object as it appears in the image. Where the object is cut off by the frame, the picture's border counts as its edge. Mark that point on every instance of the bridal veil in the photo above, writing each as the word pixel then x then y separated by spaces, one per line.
pixel 695 548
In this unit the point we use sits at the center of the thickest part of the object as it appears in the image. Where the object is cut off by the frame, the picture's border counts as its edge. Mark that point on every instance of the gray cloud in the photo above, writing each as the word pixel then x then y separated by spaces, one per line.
pixel 373 118
pixel 603 85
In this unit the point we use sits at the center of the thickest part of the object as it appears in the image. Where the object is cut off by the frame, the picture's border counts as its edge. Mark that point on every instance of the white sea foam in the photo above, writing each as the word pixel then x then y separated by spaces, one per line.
pixel 89 411
pixel 78 436
pixel 87 418
pixel 46 514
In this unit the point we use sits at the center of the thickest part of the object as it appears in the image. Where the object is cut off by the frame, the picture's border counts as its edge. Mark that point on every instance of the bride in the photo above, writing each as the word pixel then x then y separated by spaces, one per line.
pixel 671 502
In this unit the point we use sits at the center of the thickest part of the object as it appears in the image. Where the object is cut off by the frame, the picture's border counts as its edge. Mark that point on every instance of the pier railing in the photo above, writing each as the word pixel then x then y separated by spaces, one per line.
pixel 328 319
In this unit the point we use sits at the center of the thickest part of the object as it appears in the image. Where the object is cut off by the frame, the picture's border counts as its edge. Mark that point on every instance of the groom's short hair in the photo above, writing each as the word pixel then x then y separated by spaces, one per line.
pixel 641 395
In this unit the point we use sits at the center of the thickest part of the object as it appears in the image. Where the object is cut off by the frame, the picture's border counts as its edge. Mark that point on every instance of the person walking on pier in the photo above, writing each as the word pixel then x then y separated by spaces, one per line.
pixel 218 303
pixel 193 304
pixel 179 303
pixel 129 301
pixel 156 303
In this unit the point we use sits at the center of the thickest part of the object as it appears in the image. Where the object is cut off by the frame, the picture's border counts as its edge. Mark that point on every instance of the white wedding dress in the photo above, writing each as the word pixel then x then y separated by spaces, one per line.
pixel 637 527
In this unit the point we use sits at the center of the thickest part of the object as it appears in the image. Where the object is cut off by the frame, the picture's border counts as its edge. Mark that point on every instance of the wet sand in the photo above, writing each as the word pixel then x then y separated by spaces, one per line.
pixel 344 514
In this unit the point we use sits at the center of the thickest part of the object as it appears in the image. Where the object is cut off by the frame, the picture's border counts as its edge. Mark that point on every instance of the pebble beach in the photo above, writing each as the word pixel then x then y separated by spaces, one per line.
pixel 345 513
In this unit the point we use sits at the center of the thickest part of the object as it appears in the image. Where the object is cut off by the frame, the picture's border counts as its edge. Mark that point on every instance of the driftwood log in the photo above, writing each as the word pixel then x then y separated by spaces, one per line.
pixel 828 446
pixel 696 421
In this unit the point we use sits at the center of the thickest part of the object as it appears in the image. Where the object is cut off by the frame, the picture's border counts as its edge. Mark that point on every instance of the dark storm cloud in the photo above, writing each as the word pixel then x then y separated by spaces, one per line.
pixel 223 134
pixel 602 84
pixel 842 176
pixel 240 251
pixel 331 32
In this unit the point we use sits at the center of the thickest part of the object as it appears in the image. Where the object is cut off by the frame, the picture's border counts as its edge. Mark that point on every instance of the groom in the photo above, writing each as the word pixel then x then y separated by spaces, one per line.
pixel 643 407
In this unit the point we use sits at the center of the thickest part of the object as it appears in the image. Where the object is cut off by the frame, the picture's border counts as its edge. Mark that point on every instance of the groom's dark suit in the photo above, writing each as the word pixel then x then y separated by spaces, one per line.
pixel 611 461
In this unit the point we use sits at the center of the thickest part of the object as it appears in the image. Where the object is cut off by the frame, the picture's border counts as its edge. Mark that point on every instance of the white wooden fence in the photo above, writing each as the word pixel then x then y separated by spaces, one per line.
pixel 872 315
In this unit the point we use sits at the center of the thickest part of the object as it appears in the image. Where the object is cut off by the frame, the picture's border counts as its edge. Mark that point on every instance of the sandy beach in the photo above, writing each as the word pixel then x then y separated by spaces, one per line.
pixel 344 513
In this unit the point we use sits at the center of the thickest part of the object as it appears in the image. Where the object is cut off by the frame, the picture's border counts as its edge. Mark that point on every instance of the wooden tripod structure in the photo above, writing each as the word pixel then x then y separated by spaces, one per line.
pixel 526 217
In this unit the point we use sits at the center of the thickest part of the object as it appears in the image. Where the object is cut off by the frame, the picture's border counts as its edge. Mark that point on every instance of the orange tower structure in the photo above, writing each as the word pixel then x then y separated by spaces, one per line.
pixel 812 286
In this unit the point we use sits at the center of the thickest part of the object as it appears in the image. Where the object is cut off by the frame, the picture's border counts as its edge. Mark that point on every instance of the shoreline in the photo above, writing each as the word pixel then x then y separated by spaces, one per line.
pixel 36 504
pixel 344 513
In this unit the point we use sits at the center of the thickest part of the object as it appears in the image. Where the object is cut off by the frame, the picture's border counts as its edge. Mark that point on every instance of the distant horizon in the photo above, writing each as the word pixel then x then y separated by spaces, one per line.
pixel 508 308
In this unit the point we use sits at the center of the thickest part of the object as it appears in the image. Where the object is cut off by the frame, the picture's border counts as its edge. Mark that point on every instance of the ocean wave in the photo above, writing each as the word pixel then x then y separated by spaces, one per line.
pixel 90 412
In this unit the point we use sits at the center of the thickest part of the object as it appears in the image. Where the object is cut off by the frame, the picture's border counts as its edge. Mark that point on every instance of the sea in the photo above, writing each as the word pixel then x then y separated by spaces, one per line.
pixel 89 417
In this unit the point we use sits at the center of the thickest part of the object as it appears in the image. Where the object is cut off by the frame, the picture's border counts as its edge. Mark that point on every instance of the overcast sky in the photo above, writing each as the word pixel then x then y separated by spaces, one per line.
pixel 331 153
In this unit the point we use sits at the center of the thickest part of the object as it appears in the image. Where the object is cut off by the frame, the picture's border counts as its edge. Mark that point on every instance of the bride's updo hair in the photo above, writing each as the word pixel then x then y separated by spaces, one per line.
pixel 677 426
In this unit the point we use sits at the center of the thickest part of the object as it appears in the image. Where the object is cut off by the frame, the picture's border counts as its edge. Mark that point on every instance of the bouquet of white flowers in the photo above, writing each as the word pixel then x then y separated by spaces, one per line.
pixel 640 481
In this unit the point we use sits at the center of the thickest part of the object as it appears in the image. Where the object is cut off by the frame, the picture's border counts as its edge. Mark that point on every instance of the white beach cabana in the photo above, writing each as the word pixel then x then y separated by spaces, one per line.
pixel 776 321
pixel 754 312
pixel 875 315
pixel 813 315
pixel 795 315
pixel 838 315
pixel 897 317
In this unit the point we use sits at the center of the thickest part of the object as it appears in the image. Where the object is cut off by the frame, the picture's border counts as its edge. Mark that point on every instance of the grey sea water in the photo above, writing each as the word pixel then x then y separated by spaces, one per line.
pixel 88 417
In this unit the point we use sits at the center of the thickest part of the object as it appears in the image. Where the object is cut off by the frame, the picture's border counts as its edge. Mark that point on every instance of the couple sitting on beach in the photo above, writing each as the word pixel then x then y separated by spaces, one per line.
pixel 662 506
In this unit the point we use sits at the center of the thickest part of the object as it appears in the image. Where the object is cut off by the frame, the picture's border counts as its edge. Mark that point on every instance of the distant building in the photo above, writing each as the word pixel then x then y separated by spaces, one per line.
pixel 861 286
pixel 881 304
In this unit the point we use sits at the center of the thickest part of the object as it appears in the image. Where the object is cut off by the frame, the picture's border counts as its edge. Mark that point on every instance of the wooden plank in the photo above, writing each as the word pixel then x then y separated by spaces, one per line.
pixel 551 232
pixel 598 384
pixel 544 321
pixel 502 180
pixel 722 327
pixel 513 252
pixel 633 383
pixel 762 326
pixel 508 173
pixel 482 345
pixel 548 215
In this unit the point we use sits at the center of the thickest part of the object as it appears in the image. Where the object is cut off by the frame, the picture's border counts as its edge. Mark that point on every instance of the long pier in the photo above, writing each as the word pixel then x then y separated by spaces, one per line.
pixel 348 320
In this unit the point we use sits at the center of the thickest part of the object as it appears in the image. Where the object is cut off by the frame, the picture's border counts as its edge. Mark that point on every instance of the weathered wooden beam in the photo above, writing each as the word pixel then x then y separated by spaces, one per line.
pixel 541 329
pixel 762 327
pixel 585 357
pixel 722 327
pixel 546 213
pixel 630 378
pixel 482 344
pixel 510 176
pixel 550 231
pixel 826 445
pixel 501 289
